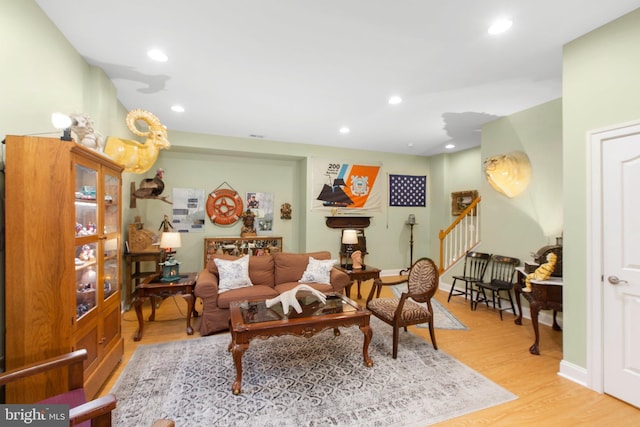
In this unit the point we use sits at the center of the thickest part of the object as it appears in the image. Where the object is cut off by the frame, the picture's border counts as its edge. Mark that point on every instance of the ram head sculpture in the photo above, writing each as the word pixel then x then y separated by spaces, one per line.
pixel 134 156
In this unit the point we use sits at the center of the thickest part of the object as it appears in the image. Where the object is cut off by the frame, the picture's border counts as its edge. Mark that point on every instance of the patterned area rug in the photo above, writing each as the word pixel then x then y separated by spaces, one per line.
pixel 443 319
pixel 294 381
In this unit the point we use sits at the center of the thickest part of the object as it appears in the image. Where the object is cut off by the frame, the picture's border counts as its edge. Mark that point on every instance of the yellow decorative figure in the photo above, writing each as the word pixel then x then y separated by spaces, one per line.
pixel 543 272
pixel 138 157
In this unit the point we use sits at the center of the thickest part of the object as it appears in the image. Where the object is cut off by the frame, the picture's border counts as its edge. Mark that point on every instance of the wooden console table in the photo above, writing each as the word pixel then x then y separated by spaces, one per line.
pixel 544 295
pixel 133 275
pixel 153 288
pixel 366 273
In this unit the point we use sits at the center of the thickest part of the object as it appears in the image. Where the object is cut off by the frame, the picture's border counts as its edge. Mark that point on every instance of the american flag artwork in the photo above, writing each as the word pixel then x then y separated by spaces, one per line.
pixel 407 190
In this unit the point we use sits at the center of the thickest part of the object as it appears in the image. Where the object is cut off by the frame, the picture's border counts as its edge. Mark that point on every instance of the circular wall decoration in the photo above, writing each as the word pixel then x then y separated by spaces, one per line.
pixel 224 206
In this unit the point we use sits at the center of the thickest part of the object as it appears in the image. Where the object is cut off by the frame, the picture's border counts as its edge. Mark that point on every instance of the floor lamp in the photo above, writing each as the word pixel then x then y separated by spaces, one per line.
pixel 410 222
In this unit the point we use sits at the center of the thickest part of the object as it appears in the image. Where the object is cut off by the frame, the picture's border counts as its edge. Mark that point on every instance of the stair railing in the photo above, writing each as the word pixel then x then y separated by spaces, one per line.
pixel 460 237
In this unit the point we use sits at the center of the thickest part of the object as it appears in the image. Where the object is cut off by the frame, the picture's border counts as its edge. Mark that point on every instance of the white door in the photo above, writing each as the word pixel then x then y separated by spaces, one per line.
pixel 621 266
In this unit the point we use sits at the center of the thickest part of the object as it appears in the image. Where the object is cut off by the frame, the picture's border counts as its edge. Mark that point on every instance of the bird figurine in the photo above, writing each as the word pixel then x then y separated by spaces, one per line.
pixel 150 188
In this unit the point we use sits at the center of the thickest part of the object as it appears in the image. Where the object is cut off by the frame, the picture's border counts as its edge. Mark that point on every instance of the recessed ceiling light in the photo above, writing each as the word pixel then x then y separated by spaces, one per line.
pixel 395 100
pixel 344 129
pixel 500 26
pixel 177 108
pixel 449 146
pixel 157 55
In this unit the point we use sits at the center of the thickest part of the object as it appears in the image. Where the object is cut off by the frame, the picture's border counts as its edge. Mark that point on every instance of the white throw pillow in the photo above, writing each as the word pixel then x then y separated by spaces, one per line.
pixel 318 271
pixel 233 274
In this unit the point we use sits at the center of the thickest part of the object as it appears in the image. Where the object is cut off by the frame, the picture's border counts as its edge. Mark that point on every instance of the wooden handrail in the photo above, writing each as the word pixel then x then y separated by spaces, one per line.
pixel 460 217
pixel 444 233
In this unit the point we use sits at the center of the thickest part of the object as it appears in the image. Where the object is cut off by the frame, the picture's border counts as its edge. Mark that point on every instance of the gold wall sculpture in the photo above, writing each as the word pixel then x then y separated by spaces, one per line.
pixel 138 157
pixel 508 173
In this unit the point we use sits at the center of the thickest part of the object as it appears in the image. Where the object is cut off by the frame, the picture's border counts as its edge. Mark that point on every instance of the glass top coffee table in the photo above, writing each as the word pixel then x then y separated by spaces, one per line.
pixel 252 319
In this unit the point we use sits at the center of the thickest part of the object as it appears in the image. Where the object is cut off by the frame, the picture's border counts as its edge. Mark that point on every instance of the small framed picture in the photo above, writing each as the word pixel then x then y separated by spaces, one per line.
pixel 460 200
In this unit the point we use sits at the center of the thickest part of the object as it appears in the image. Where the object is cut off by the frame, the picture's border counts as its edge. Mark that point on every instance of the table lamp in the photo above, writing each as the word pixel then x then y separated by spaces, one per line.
pixel 349 238
pixel 170 268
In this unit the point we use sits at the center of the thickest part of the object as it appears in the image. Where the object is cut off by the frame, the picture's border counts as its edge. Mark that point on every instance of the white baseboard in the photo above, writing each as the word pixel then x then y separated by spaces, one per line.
pixel 393 272
pixel 545 317
pixel 575 373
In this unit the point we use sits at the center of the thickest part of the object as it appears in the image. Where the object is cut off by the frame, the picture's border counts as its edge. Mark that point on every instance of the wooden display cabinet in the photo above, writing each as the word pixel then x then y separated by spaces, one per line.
pixel 63 262
pixel 255 245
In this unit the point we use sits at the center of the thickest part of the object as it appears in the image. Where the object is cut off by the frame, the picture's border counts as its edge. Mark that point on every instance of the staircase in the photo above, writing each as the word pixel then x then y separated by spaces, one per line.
pixel 460 237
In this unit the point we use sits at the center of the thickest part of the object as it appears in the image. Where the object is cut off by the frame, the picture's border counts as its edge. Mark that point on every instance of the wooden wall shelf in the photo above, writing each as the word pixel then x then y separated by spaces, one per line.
pixel 348 221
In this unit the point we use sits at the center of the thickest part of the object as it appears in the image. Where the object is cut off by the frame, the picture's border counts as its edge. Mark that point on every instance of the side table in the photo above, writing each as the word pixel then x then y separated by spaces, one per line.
pixel 365 273
pixel 544 295
pixel 133 275
pixel 153 288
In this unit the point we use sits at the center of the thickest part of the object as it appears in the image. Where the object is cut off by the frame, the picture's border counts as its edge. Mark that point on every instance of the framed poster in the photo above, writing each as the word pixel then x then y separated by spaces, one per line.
pixel 188 210
pixel 261 205
pixel 350 186
pixel 460 200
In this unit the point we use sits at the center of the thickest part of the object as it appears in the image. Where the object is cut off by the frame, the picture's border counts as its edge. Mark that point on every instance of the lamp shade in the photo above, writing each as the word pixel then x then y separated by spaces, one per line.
pixel 350 237
pixel 170 240
pixel 60 120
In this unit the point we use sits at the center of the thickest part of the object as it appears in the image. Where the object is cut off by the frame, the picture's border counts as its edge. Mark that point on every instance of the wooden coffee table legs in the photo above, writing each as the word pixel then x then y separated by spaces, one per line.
pixel 237 351
pixel 368 333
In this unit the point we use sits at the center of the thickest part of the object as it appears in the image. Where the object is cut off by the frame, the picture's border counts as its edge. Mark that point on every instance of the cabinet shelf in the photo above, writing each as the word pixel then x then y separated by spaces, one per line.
pixel 255 245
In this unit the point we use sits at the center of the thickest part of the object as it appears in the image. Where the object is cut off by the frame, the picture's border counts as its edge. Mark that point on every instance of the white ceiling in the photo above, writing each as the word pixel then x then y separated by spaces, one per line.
pixel 298 70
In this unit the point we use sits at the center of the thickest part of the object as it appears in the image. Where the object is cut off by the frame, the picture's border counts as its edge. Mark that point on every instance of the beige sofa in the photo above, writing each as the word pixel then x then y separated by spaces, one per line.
pixel 270 275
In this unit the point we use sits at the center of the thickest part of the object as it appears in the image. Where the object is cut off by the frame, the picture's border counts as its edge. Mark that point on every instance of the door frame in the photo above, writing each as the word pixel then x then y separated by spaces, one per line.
pixel 594 268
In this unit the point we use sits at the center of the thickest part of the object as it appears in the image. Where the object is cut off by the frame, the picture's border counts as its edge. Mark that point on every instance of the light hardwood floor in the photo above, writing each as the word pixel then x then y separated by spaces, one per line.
pixel 497 349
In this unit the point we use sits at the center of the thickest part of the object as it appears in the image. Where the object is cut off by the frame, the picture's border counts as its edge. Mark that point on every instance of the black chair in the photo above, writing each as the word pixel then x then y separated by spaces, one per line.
pixel 503 272
pixel 475 266
pixel 422 284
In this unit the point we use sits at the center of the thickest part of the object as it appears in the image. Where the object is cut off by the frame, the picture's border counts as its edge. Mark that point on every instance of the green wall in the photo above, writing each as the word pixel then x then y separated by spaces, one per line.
pixel 521 225
pixel 247 165
pixel 40 74
pixel 600 88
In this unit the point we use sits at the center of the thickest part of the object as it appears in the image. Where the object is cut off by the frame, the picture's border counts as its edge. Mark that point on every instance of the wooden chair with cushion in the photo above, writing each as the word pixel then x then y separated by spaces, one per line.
pixel 93 413
pixel 475 267
pixel 503 272
pixel 422 283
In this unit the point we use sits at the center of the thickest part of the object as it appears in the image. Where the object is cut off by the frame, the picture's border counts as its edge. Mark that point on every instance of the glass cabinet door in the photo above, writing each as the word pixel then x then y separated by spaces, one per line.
pixel 85 201
pixel 111 267
pixel 111 208
pixel 86 231
pixel 86 278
